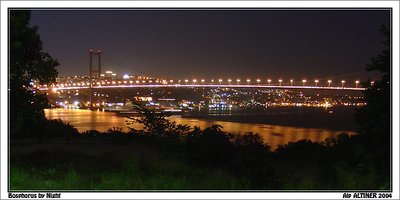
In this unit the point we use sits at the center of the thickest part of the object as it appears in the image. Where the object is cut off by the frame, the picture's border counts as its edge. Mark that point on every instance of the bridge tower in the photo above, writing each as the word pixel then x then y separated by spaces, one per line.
pixel 93 72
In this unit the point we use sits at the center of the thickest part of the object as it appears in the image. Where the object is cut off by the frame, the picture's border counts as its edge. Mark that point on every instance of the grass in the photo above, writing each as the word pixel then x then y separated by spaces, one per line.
pixel 107 172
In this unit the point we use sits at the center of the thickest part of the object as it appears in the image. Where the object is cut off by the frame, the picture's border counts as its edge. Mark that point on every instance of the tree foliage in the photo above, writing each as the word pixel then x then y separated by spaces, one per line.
pixel 157 123
pixel 28 62
pixel 374 118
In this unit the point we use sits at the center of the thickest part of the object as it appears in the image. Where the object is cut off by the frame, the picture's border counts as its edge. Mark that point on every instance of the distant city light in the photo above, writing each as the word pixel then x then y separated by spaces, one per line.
pixel 126 76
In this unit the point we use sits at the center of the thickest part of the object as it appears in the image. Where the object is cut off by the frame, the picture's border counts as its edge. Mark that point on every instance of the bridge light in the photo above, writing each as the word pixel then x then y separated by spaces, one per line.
pixel 304 81
pixel 357 82
pixel 137 82
pixel 248 81
pixel 202 80
pixel 171 81
pixel 258 80
pixel 150 81
pixel 229 81
pixel 238 81
pixel 186 80
pixel 269 81
pixel 194 81
pixel 212 80
pixel 280 82
pixel 343 81
pixel 329 83
pixel 316 83
pixel 291 82
pixel 220 81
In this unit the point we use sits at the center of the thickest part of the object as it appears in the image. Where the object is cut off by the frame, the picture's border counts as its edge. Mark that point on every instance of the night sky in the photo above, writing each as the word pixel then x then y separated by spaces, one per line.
pixel 216 43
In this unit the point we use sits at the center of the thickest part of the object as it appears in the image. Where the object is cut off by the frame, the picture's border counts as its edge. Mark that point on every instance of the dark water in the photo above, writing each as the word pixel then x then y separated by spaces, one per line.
pixel 336 118
pixel 274 134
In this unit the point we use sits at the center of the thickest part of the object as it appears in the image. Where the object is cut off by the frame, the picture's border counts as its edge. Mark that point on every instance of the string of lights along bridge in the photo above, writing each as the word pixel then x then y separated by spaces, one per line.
pixel 145 82
pixel 110 80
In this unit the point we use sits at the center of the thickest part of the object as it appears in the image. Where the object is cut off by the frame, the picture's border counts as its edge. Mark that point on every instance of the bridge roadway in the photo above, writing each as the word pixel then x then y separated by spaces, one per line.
pixel 207 86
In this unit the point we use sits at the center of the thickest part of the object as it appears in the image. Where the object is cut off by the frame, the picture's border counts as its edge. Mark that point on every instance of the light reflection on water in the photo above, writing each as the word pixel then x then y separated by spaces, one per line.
pixel 274 135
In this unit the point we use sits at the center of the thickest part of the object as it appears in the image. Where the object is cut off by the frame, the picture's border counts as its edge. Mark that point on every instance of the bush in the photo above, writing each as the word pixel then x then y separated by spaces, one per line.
pixel 210 147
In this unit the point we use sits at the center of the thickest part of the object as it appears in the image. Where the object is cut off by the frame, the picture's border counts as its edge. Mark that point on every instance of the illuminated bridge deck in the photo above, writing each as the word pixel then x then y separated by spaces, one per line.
pixel 205 86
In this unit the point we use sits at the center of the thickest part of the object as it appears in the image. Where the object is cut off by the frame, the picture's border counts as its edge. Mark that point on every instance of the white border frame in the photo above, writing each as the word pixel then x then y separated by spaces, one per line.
pixel 200 4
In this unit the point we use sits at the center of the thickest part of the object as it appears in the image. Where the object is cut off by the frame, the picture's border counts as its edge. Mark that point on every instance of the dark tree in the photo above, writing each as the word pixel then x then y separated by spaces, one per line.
pixel 27 63
pixel 374 118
